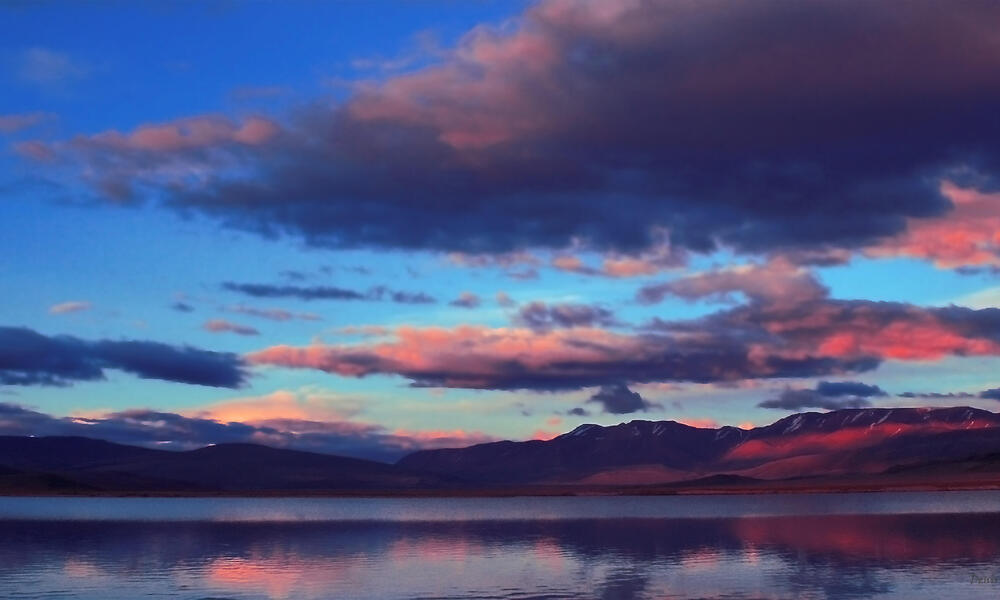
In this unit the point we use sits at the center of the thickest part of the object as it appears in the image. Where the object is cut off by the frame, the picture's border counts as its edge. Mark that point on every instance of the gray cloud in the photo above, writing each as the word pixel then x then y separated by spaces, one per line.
pixel 617 399
pixel 322 292
pixel 466 300
pixel 543 317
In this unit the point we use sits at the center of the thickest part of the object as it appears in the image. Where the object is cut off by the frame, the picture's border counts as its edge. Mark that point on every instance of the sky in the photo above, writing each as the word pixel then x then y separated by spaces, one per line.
pixel 371 228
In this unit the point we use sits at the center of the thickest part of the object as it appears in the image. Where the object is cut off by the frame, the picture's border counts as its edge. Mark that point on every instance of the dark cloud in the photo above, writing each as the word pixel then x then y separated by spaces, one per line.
pixel 848 388
pixel 617 399
pixel 169 430
pixel 322 292
pixel 762 126
pixel 30 358
pixel 578 411
pixel 182 307
pixel 542 317
pixel 829 395
pixel 991 394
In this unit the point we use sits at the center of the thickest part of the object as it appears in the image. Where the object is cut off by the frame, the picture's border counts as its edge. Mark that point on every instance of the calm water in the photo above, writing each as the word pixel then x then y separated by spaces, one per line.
pixel 912 545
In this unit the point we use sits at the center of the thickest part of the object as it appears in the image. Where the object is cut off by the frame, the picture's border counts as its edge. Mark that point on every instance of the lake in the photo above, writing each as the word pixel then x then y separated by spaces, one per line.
pixel 885 545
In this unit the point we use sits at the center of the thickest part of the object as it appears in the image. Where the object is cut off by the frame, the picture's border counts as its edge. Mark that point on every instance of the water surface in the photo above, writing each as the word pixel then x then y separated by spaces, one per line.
pixel 895 545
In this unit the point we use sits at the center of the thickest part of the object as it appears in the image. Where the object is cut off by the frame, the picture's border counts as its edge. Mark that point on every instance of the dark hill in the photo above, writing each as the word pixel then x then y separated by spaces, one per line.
pixel 226 467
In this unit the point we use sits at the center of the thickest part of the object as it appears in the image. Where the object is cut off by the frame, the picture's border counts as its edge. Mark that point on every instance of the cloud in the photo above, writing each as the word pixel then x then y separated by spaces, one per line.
pixel 30 358
pixel 829 395
pixel 307 404
pixel 481 358
pixel 466 300
pixel 542 317
pixel 578 411
pixel 774 282
pixel 13 123
pixel 659 255
pixel 848 388
pixel 182 307
pixel 375 293
pixel 851 328
pixel 617 399
pixel 157 429
pixel 757 341
pixel 966 237
pixel 937 395
pixel 49 68
pixel 791 399
pixel 764 127
pixel 504 300
pixel 69 307
pixel 223 326
pixel 273 314
pixel 701 423
pixel 364 330
pixel 992 394
pixel 184 135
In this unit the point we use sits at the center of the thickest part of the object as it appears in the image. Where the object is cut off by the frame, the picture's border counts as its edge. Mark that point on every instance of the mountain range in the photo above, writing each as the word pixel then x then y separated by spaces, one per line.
pixel 851 447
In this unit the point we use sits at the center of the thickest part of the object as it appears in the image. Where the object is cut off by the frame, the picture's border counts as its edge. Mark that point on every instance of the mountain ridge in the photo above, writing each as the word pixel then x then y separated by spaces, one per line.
pixel 914 445
pixel 865 440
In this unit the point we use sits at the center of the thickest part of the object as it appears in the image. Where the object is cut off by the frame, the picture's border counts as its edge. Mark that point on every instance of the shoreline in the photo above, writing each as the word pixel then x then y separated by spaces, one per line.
pixel 531 491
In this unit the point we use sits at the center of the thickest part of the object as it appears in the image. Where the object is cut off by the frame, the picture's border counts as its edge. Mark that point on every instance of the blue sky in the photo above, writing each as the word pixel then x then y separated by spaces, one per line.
pixel 381 115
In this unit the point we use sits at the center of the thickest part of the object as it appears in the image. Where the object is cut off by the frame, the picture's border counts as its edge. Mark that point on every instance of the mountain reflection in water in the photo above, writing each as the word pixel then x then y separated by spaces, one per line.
pixel 841 556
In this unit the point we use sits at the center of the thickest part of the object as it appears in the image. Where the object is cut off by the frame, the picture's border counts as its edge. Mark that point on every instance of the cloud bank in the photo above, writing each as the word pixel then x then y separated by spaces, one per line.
pixel 764 127
pixel 31 358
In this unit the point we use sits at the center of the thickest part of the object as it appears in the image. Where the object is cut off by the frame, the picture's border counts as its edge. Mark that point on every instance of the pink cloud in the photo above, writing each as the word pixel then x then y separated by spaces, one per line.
pixel 13 123
pixel 544 435
pixel 172 153
pixel 868 329
pixel 703 423
pixel 467 356
pixel 774 282
pixel 756 341
pixel 283 405
pixel 35 150
pixel 71 306
pixel 223 326
pixel 968 236
pixel 658 257
pixel 185 134
pixel 496 104
pixel 439 438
